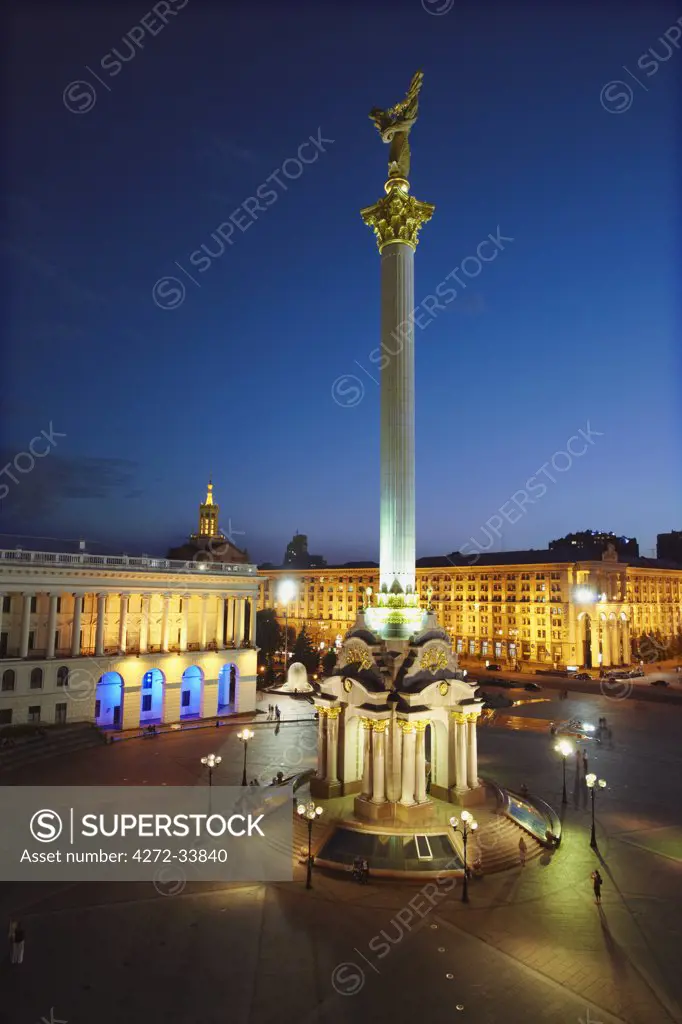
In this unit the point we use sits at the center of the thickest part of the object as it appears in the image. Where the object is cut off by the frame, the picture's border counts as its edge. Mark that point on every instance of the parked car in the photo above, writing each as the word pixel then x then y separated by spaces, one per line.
pixel 659 682
pixel 532 686
pixel 585 676
pixel 636 673
pixel 494 668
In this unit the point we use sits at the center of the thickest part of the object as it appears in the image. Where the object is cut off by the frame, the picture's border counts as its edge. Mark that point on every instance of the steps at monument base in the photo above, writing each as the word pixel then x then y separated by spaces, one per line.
pixel 300 838
pixel 56 742
pixel 498 845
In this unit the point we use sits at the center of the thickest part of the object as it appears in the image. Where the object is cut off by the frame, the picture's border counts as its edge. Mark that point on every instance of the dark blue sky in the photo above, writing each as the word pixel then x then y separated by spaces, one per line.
pixel 576 321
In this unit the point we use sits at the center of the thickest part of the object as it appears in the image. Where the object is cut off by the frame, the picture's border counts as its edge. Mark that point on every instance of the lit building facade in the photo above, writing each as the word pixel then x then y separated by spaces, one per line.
pixel 123 641
pixel 523 607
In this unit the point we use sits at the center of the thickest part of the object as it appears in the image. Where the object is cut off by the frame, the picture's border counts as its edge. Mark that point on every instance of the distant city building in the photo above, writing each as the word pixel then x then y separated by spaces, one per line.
pixel 669 546
pixel 209 543
pixel 535 607
pixel 297 555
pixel 592 544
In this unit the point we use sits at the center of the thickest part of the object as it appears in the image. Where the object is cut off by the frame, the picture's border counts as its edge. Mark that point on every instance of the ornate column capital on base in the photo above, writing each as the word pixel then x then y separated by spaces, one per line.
pixel 458 716
pixel 406 727
pixel 380 726
pixel 420 726
pixel 333 713
pixel 366 723
pixel 321 711
pixel 398 217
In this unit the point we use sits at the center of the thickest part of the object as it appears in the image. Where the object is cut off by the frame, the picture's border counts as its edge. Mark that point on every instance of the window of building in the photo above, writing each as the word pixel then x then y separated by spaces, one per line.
pixel 98 708
pixel 460 645
pixel 147 680
pixel 62 676
pixel 7 603
pixel 36 678
pixel 498 649
pixel 31 639
pixel 484 646
pixel 186 698
pixel 147 702
pixel 5 716
pixel 60 714
pixel 34 713
pixel 8 679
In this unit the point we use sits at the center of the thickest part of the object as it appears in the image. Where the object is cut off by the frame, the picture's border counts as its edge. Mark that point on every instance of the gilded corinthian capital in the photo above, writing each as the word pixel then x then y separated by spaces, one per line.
pixel 398 217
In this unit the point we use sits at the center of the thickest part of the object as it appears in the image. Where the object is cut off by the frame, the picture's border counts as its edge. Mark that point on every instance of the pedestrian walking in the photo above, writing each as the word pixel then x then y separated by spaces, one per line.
pixel 585 762
pixel 18 940
pixel 522 852
pixel 596 885
pixel 10 935
pixel 278 713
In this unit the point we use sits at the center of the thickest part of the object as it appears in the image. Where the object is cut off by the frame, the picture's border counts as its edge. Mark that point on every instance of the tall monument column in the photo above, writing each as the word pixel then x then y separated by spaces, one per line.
pixel 396 220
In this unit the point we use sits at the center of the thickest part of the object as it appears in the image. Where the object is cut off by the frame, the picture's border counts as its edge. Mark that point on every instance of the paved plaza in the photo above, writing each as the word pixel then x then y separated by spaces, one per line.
pixel 530 945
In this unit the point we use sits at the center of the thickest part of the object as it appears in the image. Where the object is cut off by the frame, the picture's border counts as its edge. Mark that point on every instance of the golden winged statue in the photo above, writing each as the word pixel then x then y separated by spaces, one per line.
pixel 394 126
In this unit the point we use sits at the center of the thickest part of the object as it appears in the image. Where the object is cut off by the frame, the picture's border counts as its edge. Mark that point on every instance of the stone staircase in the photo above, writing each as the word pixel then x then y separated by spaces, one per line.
pixel 55 742
pixel 497 844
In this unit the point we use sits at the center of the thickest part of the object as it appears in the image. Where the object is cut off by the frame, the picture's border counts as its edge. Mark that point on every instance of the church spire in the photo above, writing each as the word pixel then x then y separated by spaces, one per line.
pixel 209 493
pixel 208 515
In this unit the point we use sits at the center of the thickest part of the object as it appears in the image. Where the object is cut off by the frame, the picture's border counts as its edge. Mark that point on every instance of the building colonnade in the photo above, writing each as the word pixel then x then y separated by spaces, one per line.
pixel 227 614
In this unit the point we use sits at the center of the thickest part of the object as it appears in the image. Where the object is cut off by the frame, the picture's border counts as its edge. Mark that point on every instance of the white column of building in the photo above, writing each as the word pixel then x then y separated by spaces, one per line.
pixel 472 752
pixel 332 743
pixel 321 742
pixel 408 780
pixel 76 625
pixel 220 622
pixel 25 625
pixel 238 621
pixel 165 623
pixel 461 735
pixel 366 725
pixel 184 625
pixel 229 626
pixel 594 643
pixel 144 624
pixel 203 622
pixel 99 628
pixel 124 600
pixel 627 651
pixel 52 626
pixel 379 763
pixel 420 763
pixel 3 595
pixel 254 621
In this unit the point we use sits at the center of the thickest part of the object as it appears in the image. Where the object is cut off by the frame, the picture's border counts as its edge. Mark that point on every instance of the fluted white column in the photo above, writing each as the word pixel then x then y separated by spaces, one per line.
pixel 397 533
pixel 594 643
pixel 184 624
pixel 254 621
pixel 239 621
pixel 332 744
pixel 321 742
pixel 220 622
pixel 76 626
pixel 379 763
pixel 627 651
pixel 420 763
pixel 99 627
pixel 461 754
pixel 52 626
pixel 366 725
pixel 408 773
pixel 165 622
pixel 123 622
pixel 25 625
pixel 472 751
pixel 144 624
pixel 203 622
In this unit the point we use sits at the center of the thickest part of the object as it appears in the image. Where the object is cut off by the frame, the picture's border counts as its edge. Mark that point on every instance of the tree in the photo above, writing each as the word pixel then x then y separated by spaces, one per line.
pixel 306 652
pixel 329 662
pixel 268 634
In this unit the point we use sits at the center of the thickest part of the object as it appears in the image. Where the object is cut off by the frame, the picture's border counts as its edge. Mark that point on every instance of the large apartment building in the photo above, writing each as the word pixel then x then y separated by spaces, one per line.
pixel 530 607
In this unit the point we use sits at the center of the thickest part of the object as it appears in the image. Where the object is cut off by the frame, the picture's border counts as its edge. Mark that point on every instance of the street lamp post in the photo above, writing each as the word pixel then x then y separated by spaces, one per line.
pixel 286 592
pixel 311 813
pixel 245 735
pixel 211 761
pixel 594 783
pixel 468 825
pixel 564 748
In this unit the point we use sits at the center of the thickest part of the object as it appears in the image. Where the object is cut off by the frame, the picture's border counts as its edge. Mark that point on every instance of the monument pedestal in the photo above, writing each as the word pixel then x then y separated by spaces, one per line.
pixel 466 797
pixel 325 789
pixel 404 814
